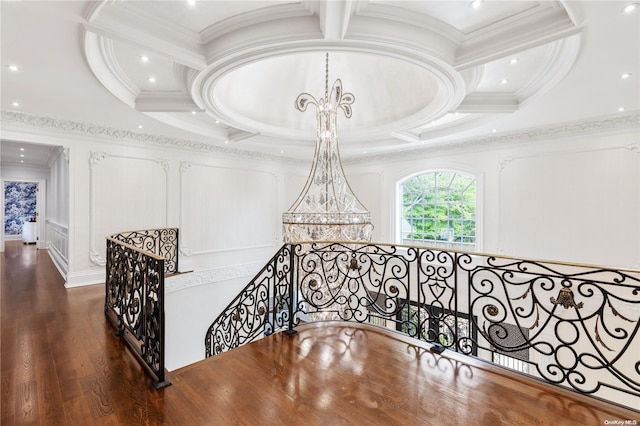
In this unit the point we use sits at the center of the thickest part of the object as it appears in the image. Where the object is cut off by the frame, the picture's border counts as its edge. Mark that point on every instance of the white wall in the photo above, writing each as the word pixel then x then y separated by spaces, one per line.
pixel 574 199
pixel 227 208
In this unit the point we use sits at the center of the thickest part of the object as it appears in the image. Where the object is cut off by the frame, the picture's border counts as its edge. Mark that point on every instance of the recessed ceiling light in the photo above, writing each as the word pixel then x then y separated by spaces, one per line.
pixel 625 75
pixel 364 152
pixel 494 130
pixel 22 155
pixel 226 141
pixel 514 60
pixel 15 104
pixel 281 152
pixel 139 126
pixel 630 7
pixel 191 2
pixel 13 68
pixel 144 58
pixel 621 109
pixel 193 112
pixel 21 149
pixel 475 4
pixel 217 121
pixel 151 79
pixel 22 161
pixel 504 81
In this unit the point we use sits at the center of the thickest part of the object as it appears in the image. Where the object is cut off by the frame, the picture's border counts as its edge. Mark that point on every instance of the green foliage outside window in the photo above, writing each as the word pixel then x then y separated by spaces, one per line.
pixel 440 206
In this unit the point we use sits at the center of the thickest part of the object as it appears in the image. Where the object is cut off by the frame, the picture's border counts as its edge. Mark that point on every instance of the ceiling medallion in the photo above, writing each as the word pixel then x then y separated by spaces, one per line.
pixel 327 209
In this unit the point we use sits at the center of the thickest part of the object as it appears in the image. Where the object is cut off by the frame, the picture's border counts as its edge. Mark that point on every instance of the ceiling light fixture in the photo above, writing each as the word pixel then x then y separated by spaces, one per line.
pixel 191 2
pixel 22 161
pixel 144 58
pixel 151 79
pixel 15 104
pixel 13 68
pixel 226 142
pixel 630 7
pixel 139 126
pixel 193 112
pixel 514 61
pixel 22 155
pixel 21 149
pixel 625 75
pixel 327 209
pixel 621 109
pixel 504 81
pixel 475 4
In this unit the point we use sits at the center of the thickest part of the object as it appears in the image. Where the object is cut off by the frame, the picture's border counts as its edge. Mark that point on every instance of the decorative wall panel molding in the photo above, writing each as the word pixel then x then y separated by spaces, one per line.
pixel 210 276
pixel 558 196
pixel 215 201
pixel 149 187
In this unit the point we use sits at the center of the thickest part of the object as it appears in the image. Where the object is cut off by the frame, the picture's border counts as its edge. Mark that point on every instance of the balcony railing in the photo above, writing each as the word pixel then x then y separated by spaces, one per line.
pixel 575 326
pixel 134 292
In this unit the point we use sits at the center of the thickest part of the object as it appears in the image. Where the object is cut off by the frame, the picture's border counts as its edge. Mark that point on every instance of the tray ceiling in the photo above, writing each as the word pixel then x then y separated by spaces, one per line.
pixel 226 73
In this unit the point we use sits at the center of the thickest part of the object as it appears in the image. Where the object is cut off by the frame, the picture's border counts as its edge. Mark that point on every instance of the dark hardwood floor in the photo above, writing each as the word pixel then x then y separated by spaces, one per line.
pixel 62 365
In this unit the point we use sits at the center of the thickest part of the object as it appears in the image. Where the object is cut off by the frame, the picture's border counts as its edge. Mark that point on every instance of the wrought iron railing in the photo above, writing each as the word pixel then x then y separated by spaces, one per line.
pixel 161 242
pixel 134 293
pixel 576 326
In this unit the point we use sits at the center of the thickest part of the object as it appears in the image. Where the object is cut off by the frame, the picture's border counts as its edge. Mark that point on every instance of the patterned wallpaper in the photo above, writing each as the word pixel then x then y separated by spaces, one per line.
pixel 19 205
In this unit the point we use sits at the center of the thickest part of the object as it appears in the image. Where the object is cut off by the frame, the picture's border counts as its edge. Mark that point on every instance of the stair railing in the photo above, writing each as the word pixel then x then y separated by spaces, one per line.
pixel 134 293
pixel 575 326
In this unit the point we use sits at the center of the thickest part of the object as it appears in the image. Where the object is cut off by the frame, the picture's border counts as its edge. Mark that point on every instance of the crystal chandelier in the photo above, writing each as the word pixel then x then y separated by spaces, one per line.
pixel 327 209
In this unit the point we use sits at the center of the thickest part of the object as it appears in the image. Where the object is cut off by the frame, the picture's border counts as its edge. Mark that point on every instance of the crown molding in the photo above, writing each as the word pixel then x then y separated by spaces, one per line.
pixel 599 125
pixel 59 126
pixel 14 120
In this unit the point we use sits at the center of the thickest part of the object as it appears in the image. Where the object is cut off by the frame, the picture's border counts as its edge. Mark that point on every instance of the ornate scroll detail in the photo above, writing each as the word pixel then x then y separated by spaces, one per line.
pixel 161 242
pixel 634 147
pixel 577 326
pixel 134 302
pixel 96 157
pixel 263 307
pixel 530 307
pixel 504 162
pixel 95 257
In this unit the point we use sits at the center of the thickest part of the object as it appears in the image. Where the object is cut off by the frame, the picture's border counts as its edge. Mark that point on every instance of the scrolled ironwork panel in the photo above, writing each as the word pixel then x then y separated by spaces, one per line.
pixel 436 310
pixel 135 296
pixel 581 322
pixel 260 309
pixel 352 282
pixel 161 242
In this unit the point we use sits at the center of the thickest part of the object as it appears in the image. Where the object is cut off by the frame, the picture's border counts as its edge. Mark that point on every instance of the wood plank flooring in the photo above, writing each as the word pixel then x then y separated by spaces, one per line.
pixel 62 365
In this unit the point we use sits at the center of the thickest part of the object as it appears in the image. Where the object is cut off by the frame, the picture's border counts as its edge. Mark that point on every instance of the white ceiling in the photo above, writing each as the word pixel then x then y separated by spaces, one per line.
pixel 423 73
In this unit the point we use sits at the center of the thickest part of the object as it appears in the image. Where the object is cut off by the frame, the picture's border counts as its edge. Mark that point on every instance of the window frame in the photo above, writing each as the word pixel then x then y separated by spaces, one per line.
pixel 398 207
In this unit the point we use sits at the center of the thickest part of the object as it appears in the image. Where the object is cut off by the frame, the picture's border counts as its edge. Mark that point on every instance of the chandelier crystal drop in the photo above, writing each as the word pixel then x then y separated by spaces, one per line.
pixel 327 209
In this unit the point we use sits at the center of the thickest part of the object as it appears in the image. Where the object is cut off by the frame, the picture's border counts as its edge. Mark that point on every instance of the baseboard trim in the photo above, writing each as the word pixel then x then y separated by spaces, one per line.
pixel 84 278
pixel 58 261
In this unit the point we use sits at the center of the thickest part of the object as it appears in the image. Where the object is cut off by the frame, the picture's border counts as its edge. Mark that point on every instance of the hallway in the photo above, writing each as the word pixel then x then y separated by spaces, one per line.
pixel 60 362
pixel 62 365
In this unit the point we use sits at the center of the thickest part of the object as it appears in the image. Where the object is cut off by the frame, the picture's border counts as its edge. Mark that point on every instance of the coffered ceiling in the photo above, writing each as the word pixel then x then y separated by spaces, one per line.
pixel 225 74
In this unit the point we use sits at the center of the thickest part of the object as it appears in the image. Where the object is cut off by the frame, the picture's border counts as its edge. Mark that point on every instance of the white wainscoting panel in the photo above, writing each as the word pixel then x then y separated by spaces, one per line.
pixel 226 209
pixel 127 194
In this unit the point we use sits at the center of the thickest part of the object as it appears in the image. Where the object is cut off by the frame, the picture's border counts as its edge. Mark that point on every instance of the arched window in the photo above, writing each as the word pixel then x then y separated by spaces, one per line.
pixel 439 209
